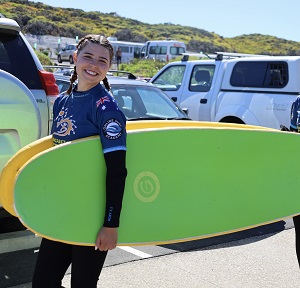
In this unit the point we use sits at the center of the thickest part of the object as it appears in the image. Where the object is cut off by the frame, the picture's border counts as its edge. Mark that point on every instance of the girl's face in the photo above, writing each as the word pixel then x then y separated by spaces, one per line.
pixel 92 63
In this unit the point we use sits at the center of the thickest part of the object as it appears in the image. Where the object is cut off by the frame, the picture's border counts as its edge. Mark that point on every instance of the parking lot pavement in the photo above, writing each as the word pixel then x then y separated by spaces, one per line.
pixel 267 261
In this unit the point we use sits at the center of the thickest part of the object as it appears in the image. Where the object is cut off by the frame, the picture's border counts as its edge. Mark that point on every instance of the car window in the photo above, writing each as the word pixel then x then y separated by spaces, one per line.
pixel 13 52
pixel 142 101
pixel 171 78
pixel 158 50
pixel 156 105
pixel 201 78
pixel 129 101
pixel 271 74
pixel 71 47
pixel 62 85
pixel 177 50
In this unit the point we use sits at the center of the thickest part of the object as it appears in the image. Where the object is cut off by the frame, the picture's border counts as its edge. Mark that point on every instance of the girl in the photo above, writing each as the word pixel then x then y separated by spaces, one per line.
pixel 87 109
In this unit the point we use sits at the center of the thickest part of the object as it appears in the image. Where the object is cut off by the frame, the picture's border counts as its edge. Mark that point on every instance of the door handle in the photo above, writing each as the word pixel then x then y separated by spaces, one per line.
pixel 203 101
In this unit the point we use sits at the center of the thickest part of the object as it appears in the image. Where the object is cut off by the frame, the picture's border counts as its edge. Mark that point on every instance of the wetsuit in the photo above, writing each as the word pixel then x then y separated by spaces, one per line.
pixel 295 116
pixel 79 115
pixel 295 127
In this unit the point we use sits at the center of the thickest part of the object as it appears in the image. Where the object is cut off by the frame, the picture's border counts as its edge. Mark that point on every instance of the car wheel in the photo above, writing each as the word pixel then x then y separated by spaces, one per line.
pixel 71 60
pixel 59 59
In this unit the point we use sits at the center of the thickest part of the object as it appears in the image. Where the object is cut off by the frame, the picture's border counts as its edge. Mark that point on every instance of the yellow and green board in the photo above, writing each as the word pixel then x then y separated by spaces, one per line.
pixel 184 183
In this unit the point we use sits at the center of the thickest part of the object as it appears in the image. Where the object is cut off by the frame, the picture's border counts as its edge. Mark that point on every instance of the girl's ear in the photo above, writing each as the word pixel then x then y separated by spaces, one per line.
pixel 75 55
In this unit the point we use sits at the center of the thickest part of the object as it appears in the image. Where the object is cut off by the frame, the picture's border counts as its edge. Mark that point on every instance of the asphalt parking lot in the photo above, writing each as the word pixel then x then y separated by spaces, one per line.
pixel 259 257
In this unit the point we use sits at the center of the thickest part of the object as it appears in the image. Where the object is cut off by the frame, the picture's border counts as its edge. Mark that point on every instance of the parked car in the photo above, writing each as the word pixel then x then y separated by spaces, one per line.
pixel 27 92
pixel 234 88
pixel 66 53
pixel 139 100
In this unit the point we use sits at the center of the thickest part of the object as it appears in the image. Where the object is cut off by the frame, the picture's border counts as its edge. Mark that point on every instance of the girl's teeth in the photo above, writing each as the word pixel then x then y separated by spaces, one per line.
pixel 90 72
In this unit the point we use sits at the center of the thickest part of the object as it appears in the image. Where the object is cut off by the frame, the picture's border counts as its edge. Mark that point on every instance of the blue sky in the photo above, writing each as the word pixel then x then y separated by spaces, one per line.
pixel 228 18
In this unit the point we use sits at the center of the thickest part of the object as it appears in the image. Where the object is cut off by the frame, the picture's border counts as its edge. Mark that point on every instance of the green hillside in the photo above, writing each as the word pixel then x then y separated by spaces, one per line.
pixel 40 19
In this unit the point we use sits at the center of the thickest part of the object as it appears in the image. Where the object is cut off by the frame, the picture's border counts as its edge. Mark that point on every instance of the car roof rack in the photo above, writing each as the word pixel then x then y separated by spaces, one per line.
pixel 238 55
pixel 66 70
pixel 129 74
pixel 185 56
pixel 218 55
pixel 59 66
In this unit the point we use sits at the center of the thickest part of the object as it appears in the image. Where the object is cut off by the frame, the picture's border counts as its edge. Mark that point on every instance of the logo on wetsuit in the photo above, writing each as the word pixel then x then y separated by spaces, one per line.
pixel 112 129
pixel 65 125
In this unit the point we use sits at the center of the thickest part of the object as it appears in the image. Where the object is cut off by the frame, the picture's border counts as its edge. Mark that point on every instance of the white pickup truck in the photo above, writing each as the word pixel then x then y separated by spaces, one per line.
pixel 256 90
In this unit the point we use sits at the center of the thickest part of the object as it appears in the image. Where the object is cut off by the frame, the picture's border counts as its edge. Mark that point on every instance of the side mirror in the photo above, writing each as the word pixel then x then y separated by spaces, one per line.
pixel 185 110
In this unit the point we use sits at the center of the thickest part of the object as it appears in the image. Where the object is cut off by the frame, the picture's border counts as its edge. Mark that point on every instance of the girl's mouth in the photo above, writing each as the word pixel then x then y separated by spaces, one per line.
pixel 91 72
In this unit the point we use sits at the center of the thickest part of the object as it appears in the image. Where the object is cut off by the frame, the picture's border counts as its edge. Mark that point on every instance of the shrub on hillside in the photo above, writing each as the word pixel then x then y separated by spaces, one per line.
pixel 44 59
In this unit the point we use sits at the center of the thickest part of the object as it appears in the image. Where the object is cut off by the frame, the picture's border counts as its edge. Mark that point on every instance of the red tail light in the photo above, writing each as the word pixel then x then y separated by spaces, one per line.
pixel 48 82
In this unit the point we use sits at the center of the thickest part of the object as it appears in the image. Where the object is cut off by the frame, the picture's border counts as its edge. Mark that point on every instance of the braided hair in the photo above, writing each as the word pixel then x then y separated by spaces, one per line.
pixel 96 39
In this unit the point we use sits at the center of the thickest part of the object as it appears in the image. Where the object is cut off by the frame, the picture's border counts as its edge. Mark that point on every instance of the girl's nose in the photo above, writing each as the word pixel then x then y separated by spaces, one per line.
pixel 94 63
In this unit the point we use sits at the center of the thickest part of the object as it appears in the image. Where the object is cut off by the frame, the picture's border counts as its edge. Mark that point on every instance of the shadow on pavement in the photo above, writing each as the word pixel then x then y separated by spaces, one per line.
pixel 264 230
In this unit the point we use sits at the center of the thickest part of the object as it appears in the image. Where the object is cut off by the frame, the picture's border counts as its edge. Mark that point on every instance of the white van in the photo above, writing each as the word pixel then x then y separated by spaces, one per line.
pixel 130 50
pixel 163 50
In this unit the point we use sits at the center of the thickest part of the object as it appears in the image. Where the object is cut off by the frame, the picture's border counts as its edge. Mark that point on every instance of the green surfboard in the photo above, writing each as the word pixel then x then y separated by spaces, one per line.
pixel 183 184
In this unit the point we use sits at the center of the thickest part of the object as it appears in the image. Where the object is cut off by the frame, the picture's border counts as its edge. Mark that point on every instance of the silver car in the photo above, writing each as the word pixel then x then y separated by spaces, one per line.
pixel 139 100
pixel 66 54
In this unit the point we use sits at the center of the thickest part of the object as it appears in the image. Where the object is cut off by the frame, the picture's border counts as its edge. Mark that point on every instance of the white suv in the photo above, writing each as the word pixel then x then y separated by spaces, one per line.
pixel 27 92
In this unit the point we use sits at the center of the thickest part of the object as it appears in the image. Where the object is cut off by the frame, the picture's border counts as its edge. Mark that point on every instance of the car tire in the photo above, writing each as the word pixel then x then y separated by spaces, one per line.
pixel 71 60
pixel 59 59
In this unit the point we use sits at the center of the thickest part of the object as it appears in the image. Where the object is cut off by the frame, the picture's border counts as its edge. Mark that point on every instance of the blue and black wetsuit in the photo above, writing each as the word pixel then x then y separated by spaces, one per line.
pixel 95 112
pixel 79 115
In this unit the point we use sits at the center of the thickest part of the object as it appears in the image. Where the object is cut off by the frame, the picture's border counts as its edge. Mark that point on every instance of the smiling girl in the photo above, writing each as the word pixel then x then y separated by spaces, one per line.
pixel 87 109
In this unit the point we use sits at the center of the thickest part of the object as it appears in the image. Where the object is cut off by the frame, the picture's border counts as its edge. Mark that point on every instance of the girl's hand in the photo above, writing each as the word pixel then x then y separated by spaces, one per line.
pixel 106 239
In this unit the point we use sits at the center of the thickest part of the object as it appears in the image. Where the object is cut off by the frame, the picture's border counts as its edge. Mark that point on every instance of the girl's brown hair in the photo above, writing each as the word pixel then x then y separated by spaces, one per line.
pixel 96 39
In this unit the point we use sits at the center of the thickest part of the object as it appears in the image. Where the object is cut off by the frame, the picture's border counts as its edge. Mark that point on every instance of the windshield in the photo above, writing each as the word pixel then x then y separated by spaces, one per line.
pixel 144 102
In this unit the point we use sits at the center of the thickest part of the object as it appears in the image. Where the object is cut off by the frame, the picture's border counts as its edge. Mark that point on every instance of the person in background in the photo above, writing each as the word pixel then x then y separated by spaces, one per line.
pixel 87 109
pixel 119 56
pixel 295 127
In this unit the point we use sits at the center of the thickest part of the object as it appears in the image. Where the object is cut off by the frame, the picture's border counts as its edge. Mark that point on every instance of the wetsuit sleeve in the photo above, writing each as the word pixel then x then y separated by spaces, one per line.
pixel 295 116
pixel 112 130
pixel 115 184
